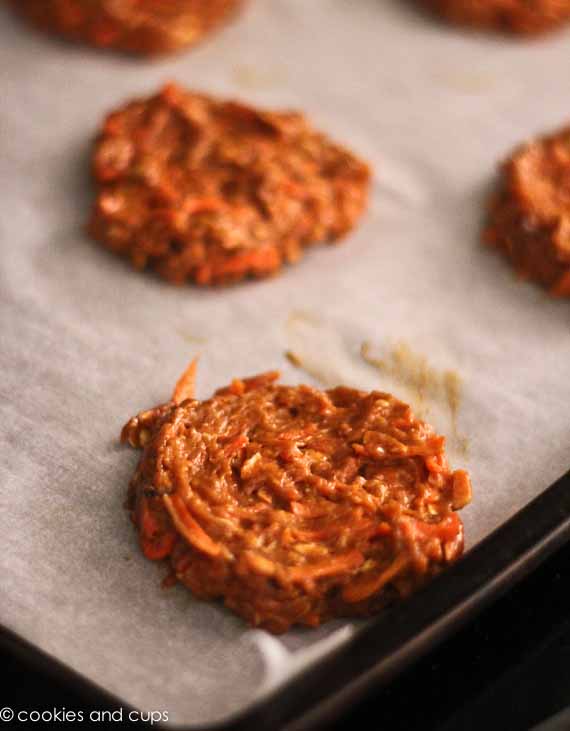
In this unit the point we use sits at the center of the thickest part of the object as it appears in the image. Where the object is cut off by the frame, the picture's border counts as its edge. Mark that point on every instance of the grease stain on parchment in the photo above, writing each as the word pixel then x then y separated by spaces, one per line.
pixel 297 320
pixel 253 78
pixel 316 348
pixel 190 338
pixel 294 359
pixel 311 370
pixel 453 384
pixel 302 317
pixel 466 81
pixel 321 351
pixel 408 368
pixel 427 383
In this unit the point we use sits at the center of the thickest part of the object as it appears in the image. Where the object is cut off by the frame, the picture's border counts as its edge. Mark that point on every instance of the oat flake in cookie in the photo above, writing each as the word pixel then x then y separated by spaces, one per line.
pixel 198 188
pixel 522 17
pixel 529 218
pixel 291 504
pixel 137 26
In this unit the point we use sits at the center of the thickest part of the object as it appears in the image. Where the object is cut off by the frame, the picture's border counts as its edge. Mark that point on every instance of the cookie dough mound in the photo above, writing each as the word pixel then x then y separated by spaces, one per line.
pixel 521 17
pixel 137 26
pixel 291 504
pixel 529 219
pixel 214 191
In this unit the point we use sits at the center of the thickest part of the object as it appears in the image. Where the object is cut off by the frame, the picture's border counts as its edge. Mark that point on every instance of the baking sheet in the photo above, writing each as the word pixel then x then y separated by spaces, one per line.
pixel 86 342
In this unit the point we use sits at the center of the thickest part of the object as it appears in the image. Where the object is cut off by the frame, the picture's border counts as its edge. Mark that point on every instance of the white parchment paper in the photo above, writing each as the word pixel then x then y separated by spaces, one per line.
pixel 86 342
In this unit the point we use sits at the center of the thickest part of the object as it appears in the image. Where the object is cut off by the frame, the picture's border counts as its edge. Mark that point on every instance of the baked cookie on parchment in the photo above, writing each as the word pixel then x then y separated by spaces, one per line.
pixel 529 216
pixel 204 189
pixel 522 17
pixel 291 504
pixel 137 26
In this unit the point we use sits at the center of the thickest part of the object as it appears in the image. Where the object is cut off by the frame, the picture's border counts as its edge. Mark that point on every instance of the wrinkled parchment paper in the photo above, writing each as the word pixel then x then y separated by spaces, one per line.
pixel 86 342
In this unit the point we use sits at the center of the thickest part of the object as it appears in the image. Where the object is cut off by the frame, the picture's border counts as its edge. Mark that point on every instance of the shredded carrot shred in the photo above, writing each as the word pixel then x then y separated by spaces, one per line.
pixel 186 384
pixel 436 463
pixel 368 585
pixel 258 260
pixel 203 205
pixel 236 444
pixel 444 530
pixel 159 547
pixel 308 511
pixel 156 539
pixel 336 565
pixel 188 527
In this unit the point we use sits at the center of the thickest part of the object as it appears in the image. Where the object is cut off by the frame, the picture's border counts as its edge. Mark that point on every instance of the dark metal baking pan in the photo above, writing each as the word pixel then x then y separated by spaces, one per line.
pixel 395 639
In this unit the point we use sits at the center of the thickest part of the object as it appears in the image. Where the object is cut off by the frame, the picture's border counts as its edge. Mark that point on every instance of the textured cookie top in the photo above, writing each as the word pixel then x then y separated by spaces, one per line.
pixel 138 26
pixel 529 216
pixel 315 501
pixel 538 175
pixel 522 17
pixel 211 190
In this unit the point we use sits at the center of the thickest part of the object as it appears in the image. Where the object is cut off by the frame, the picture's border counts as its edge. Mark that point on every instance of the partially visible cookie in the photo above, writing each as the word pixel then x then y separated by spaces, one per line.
pixel 529 219
pixel 197 188
pixel 524 17
pixel 137 26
